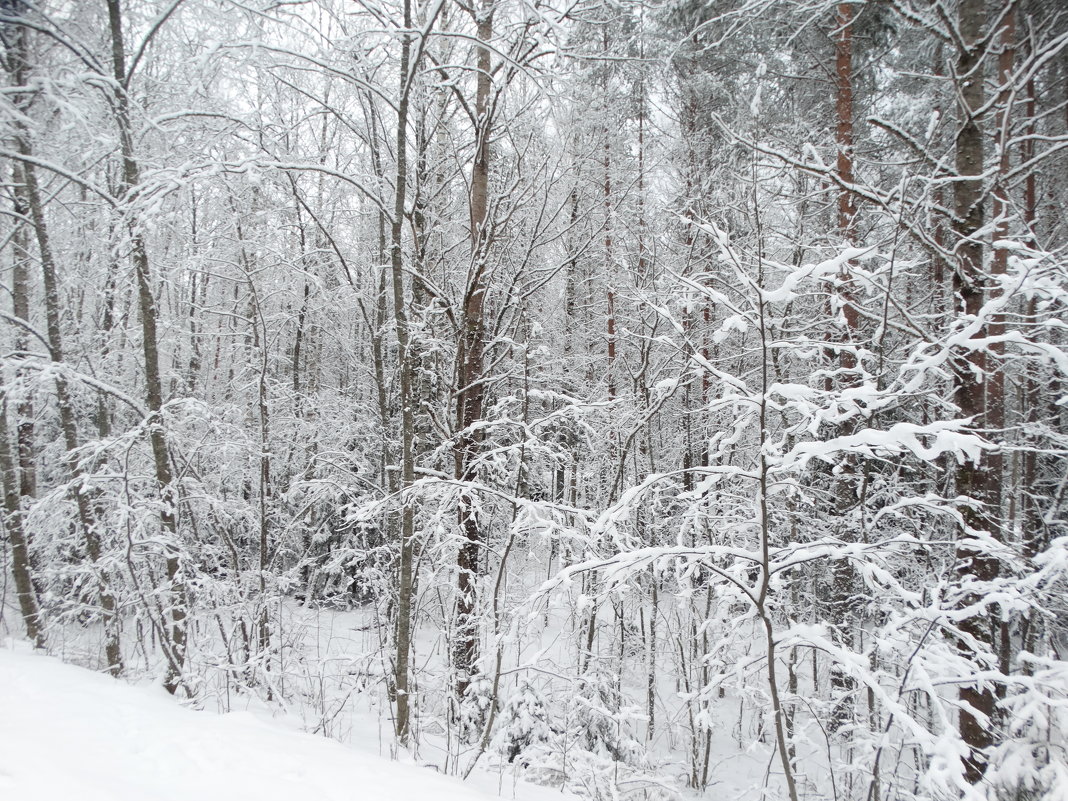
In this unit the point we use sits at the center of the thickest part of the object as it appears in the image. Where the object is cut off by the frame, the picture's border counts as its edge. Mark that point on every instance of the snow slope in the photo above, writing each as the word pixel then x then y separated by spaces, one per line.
pixel 68 733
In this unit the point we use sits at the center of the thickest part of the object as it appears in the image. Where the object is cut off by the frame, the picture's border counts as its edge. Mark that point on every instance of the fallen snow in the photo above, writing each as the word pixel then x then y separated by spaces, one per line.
pixel 68 733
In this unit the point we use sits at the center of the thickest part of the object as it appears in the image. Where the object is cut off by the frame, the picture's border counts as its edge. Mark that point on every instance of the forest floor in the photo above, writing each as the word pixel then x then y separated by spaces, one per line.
pixel 69 733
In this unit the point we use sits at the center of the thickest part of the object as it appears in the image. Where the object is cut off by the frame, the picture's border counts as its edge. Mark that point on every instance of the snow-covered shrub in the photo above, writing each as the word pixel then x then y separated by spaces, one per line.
pixel 599 723
pixel 524 722
pixel 475 708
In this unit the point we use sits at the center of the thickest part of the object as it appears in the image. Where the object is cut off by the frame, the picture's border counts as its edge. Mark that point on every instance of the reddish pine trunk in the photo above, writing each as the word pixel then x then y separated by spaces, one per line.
pixel 980 481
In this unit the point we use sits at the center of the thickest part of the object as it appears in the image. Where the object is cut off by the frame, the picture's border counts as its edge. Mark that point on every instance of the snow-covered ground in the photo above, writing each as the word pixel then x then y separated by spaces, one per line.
pixel 68 733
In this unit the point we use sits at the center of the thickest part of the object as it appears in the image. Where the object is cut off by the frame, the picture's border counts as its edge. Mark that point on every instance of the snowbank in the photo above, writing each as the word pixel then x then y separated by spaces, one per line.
pixel 67 733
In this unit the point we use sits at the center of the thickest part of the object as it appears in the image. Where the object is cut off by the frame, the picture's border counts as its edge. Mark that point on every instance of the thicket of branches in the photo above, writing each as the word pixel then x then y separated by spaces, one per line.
pixel 663 374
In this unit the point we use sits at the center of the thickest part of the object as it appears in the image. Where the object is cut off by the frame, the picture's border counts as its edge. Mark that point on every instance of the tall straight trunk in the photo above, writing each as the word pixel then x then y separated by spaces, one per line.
pixel 1030 208
pixel 571 291
pixel 107 325
pixel 471 389
pixel 846 198
pixel 609 258
pixel 389 478
pixel 844 136
pixel 407 530
pixel 937 220
pixel 845 482
pixel 610 293
pixel 843 104
pixel 197 287
pixel 264 490
pixel 569 376
pixel 640 472
pixel 18 469
pixel 150 346
pixel 690 240
pixel 25 475
pixel 1031 510
pixel 995 389
pixel 643 261
pixel 20 302
pixel 980 481
pixel 995 385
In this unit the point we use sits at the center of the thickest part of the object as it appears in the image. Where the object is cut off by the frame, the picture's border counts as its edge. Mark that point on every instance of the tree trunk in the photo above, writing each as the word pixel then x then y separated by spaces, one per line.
pixel 20 302
pixel 150 347
pixel 844 483
pixel 471 389
pixel 980 481
pixel 407 478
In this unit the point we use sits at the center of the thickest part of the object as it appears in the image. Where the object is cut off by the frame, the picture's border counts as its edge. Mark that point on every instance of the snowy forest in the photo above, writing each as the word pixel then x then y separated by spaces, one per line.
pixel 645 399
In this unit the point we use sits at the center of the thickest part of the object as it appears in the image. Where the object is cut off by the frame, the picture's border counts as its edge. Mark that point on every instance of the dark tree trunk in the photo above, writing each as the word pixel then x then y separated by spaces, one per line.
pixel 407 529
pixel 978 480
pixel 471 389
pixel 153 375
